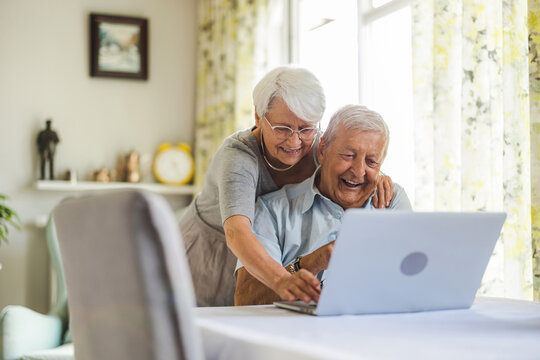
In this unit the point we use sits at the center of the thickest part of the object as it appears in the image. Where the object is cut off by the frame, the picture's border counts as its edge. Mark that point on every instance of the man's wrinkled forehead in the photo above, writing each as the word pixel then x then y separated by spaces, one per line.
pixel 344 141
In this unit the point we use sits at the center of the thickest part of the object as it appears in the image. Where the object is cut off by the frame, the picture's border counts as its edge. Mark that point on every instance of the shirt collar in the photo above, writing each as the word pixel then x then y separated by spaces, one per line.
pixel 311 191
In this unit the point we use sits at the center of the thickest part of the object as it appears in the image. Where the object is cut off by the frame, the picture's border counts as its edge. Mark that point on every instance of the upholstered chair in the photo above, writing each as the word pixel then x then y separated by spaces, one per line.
pixel 128 283
pixel 27 334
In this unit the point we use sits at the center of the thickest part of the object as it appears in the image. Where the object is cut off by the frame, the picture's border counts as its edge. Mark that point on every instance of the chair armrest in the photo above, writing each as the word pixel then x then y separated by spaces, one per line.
pixel 23 330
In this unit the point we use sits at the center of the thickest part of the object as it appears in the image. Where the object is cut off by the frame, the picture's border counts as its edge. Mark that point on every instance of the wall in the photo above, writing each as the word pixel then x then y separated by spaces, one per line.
pixel 44 72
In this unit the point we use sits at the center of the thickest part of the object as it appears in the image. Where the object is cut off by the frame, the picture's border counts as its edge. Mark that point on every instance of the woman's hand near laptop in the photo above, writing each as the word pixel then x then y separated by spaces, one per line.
pixel 302 284
pixel 263 270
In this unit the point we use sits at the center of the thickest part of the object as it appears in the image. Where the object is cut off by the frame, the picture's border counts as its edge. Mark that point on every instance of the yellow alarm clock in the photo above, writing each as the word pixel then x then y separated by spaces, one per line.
pixel 173 165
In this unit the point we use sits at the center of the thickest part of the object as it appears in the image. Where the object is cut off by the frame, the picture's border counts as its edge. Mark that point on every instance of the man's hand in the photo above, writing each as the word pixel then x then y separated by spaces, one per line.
pixel 385 191
pixel 302 285
pixel 318 260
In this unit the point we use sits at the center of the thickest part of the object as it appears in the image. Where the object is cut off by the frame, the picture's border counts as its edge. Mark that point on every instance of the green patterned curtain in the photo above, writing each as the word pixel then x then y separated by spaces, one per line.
pixel 534 80
pixel 226 68
pixel 475 147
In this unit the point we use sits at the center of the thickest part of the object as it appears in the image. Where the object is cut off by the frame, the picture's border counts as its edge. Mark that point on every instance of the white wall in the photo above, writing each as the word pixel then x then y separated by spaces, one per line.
pixel 44 72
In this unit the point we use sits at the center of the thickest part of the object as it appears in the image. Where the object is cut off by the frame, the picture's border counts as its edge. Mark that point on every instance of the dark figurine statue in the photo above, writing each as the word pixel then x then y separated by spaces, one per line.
pixel 47 140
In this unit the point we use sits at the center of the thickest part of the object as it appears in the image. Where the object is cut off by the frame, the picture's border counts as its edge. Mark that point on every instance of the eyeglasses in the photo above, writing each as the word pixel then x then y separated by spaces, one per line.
pixel 285 132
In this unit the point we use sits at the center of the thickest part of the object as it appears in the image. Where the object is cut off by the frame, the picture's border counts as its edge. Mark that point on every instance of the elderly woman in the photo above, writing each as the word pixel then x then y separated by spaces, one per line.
pixel 280 149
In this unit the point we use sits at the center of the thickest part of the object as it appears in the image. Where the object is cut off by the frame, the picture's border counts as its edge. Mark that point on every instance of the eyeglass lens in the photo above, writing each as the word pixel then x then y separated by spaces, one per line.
pixel 284 132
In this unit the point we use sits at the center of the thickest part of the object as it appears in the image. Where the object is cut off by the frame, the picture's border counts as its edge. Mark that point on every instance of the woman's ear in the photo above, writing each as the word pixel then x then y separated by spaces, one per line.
pixel 257 120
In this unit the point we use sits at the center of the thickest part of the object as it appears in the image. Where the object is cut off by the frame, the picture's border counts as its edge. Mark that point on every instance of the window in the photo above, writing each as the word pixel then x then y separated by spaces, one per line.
pixel 386 82
pixel 361 51
pixel 325 40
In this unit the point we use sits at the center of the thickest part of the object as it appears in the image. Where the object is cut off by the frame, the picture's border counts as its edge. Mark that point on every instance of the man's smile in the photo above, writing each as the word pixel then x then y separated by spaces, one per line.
pixel 351 184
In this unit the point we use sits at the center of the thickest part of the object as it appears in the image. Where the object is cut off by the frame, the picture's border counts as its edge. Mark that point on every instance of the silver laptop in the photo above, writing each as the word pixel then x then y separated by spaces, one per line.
pixel 397 261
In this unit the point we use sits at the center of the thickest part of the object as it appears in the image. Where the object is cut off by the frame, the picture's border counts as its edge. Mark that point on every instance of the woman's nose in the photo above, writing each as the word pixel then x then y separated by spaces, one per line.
pixel 295 138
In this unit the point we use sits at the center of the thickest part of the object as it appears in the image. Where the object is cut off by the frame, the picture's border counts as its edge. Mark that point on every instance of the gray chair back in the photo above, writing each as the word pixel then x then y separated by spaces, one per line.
pixel 130 294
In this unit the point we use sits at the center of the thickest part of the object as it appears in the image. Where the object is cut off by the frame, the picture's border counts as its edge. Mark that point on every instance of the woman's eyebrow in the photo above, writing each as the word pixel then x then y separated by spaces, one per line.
pixel 280 123
pixel 289 125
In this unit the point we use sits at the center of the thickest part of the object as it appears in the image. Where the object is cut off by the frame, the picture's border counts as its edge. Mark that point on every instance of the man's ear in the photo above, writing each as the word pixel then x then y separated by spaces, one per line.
pixel 321 150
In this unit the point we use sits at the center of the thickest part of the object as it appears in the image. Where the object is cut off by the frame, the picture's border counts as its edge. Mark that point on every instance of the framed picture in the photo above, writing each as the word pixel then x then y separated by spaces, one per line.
pixel 118 46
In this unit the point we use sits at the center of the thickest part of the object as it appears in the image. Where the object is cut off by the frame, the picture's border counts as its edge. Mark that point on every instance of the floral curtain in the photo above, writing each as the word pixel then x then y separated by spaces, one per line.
pixel 534 80
pixel 476 149
pixel 228 61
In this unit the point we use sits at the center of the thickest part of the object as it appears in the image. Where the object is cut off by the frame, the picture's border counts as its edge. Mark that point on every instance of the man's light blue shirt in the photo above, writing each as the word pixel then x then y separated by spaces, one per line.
pixel 297 219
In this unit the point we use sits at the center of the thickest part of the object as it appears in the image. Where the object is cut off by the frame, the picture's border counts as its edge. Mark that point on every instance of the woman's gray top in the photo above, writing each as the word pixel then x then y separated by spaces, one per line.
pixel 235 178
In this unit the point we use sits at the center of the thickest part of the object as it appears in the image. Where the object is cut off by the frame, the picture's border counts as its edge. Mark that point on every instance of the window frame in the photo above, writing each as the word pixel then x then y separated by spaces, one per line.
pixel 366 15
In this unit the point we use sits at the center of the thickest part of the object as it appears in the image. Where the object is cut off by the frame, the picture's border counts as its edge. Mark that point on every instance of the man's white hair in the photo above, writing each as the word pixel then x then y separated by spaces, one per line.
pixel 357 117
pixel 298 87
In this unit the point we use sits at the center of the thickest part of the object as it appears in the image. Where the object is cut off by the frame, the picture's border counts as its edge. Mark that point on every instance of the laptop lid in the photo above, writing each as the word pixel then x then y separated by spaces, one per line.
pixel 397 261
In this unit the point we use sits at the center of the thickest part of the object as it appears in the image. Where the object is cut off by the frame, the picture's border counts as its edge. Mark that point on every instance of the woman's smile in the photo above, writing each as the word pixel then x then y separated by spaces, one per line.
pixel 291 152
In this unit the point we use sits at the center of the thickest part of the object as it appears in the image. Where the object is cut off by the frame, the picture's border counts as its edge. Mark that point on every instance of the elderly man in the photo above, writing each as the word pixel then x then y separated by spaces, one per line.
pixel 299 223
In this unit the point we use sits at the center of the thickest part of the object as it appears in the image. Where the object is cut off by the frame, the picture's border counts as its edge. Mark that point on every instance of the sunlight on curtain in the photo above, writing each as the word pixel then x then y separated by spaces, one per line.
pixel 534 80
pixel 471 104
pixel 226 70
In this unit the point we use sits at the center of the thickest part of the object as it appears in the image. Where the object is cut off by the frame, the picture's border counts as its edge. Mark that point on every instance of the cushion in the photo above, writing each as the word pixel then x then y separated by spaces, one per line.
pixel 63 352
pixel 23 330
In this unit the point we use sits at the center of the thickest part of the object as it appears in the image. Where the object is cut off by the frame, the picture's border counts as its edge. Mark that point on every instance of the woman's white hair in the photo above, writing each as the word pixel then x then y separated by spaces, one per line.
pixel 298 87
pixel 357 117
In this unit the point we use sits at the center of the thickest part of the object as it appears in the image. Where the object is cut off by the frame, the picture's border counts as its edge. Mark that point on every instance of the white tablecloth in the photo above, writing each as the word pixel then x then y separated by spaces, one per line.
pixel 490 329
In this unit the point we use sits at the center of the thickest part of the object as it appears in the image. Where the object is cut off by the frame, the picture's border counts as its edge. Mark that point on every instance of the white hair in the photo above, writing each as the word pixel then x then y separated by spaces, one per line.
pixel 357 117
pixel 298 87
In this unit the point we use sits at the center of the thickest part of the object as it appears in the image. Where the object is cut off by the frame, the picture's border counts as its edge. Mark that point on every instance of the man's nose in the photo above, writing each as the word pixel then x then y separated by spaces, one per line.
pixel 359 167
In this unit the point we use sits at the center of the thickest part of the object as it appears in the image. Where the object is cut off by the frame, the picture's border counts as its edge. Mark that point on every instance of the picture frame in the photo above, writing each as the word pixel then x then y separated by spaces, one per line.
pixel 118 46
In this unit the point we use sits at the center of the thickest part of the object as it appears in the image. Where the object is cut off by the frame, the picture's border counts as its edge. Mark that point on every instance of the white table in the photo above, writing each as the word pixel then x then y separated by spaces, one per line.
pixel 490 329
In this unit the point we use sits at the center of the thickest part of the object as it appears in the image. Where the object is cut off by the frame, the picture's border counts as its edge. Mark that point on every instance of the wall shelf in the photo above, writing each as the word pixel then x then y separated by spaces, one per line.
pixel 81 186
pixel 58 185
